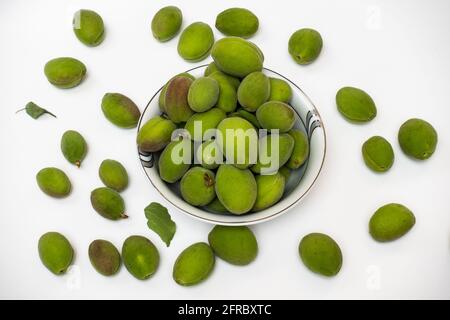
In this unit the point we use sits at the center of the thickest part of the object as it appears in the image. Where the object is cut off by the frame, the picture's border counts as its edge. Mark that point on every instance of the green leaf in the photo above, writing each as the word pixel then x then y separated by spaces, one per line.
pixel 34 111
pixel 159 221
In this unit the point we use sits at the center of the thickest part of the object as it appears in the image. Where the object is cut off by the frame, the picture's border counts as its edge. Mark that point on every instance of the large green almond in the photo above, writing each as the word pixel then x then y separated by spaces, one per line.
pixel 276 115
pixel 197 186
pixel 378 154
pixel 321 254
pixel 120 110
pixel 269 159
pixel 104 257
pixel 206 121
pixel 113 174
pixel 155 134
pixel 88 27
pixel 73 147
pixel 175 160
pixel 305 45
pixel 162 93
pixel 65 72
pixel 176 102
pixel 236 245
pixel 54 182
pixel 237 139
pixel 203 94
pixel 166 23
pixel 227 100
pixel 239 22
pixel 355 104
pixel 301 149
pixel 196 41
pixel 391 222
pixel 140 257
pixel 254 91
pixel 55 252
pixel 108 203
pixel 237 57
pixel 418 139
pixel 270 190
pixel 236 188
pixel 194 264
pixel 280 90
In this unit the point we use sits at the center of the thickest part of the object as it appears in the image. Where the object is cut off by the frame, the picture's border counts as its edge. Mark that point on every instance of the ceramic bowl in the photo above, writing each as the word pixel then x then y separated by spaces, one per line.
pixel 298 185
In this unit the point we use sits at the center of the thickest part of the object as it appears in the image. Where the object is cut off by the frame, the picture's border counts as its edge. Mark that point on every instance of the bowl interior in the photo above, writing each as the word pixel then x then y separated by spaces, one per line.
pixel 298 184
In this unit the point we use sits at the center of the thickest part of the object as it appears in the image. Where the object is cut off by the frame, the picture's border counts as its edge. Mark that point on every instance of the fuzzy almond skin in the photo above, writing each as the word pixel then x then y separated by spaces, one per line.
pixel 418 139
pixel 108 203
pixel 237 57
pixel 88 27
pixel 73 147
pixel 236 188
pixel 113 174
pixel 194 264
pixel 239 22
pixel 176 102
pixel 169 170
pixel 235 245
pixel 140 257
pixel 209 120
pixel 378 154
pixel 285 148
pixel 120 110
pixel 227 100
pixel 56 252
pixel 54 182
pixel 355 105
pixel 254 91
pixel 276 115
pixel 166 23
pixel 197 186
pixel 301 149
pixel 155 134
pixel 391 222
pixel 196 41
pixel 65 72
pixel 104 257
pixel 321 254
pixel 203 94
pixel 162 93
pixel 270 190
pixel 237 139
pixel 280 90
pixel 305 45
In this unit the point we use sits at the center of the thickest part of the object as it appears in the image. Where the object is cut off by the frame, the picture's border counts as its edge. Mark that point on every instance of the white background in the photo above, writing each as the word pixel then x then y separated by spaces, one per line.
pixel 398 51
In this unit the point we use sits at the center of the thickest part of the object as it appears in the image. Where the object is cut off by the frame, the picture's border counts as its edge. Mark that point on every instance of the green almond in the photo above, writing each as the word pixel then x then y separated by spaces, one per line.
pixel 391 222
pixel 355 104
pixel 378 154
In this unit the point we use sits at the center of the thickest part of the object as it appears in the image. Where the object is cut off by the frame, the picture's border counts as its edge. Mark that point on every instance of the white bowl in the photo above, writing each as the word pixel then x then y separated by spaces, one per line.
pixel 299 184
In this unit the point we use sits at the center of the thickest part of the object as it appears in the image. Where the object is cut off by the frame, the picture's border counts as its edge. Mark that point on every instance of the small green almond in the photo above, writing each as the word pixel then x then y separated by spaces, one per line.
pixel 104 257
pixel 55 252
pixel 194 264
pixel 321 254
pixel 418 139
pixel 166 23
pixel 355 104
pixel 378 154
pixel 391 222
pixel 235 245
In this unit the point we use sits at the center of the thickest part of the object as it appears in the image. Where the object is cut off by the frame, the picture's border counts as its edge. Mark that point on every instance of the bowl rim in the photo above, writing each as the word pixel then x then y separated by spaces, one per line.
pixel 251 221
